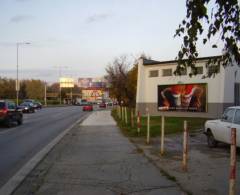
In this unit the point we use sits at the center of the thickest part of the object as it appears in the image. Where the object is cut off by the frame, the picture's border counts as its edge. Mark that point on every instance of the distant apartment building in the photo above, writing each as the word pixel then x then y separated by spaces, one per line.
pixel 163 93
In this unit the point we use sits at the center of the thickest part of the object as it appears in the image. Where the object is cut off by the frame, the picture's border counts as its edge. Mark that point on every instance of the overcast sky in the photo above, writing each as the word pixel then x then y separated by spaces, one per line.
pixel 85 35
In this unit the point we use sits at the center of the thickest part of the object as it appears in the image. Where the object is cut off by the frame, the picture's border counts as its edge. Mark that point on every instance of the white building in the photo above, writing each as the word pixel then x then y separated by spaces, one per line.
pixel 163 93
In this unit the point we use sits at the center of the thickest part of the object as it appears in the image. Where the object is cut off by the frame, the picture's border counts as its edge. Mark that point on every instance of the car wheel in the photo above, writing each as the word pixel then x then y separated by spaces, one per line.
pixel 212 143
pixel 19 121
pixel 8 123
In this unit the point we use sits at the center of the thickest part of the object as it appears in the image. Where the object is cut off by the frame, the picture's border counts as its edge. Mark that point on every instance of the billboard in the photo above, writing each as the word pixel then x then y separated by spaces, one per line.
pixel 66 82
pixel 91 82
pixel 92 94
pixel 84 82
pixel 183 97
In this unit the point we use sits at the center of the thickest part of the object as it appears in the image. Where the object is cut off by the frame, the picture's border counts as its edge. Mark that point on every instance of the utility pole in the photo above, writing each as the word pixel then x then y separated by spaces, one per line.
pixel 45 93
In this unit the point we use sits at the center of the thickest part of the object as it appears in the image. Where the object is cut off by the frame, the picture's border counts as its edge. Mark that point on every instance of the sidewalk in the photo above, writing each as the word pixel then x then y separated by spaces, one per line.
pixel 95 158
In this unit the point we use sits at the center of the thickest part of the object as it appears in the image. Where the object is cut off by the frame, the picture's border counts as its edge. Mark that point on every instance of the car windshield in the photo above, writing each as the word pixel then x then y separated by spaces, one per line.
pixel 24 104
pixel 237 117
pixel 2 105
pixel 228 115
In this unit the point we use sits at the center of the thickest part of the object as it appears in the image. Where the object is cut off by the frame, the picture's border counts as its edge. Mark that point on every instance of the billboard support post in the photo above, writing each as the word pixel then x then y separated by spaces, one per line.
pixel 126 117
pixel 60 94
pixel 232 178
pixel 185 147
pixel 122 113
pixel 148 126
pixel 71 96
pixel 162 135
pixel 119 112
pixel 138 122
pixel 132 121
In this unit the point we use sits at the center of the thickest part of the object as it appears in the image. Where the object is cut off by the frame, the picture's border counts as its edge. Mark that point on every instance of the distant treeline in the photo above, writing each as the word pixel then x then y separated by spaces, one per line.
pixel 33 89
pixel 30 89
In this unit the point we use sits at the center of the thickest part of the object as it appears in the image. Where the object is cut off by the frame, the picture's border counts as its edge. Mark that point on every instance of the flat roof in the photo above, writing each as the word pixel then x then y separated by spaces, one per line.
pixel 147 62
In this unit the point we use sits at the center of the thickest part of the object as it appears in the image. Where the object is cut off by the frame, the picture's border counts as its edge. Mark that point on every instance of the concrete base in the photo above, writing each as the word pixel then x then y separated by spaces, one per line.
pixel 214 110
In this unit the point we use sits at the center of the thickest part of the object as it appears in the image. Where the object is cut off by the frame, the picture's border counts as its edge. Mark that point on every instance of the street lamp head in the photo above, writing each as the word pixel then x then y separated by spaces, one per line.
pixel 23 43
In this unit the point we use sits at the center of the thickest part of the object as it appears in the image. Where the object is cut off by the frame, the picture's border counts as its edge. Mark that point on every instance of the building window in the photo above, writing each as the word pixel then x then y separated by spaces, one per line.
pixel 153 73
pixel 237 94
pixel 167 72
pixel 199 70
pixel 183 72
pixel 213 69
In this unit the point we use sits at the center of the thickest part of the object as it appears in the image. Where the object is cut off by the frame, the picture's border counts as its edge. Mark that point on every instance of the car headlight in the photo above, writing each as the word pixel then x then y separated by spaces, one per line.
pixel 25 108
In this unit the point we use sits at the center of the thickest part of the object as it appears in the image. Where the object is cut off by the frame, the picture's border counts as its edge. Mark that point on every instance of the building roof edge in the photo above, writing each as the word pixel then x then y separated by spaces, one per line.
pixel 147 62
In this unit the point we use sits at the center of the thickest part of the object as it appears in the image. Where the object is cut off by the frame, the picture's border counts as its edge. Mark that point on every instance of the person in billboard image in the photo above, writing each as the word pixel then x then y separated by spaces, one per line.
pixel 181 97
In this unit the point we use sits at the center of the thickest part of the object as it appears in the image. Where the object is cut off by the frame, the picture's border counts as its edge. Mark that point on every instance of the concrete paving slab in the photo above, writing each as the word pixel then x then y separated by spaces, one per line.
pixel 99 118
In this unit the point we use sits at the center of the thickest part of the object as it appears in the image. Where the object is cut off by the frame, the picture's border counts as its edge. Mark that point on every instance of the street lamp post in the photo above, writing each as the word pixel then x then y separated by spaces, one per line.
pixel 17 80
pixel 45 93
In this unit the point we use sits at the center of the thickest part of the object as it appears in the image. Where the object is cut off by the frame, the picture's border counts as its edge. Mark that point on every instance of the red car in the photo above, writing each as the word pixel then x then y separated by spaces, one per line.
pixel 10 113
pixel 87 107
pixel 102 105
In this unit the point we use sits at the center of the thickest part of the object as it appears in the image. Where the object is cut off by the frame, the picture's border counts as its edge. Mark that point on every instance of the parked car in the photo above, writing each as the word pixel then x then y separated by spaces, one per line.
pixel 80 102
pixel 109 103
pixel 10 113
pixel 27 107
pixel 87 106
pixel 102 105
pixel 115 103
pixel 36 104
pixel 220 130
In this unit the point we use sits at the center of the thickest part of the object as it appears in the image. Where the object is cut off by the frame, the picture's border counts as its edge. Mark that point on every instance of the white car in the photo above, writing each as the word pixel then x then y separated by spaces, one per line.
pixel 220 130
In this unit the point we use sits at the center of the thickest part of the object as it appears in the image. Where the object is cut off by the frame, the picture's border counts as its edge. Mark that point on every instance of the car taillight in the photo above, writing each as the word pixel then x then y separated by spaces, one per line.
pixel 4 110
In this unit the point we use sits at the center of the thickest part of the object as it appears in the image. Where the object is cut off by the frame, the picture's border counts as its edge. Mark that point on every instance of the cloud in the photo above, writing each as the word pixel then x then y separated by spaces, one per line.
pixel 20 18
pixel 97 18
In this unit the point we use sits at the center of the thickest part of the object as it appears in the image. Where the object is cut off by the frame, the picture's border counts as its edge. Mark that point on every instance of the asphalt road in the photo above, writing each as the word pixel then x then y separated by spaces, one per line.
pixel 20 143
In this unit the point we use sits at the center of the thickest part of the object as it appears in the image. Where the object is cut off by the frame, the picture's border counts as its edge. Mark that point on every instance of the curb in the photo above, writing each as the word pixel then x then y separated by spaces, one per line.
pixel 9 187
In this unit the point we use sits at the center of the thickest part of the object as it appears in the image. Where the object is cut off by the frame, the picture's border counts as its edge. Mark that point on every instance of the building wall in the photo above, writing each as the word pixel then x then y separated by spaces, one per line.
pixel 220 89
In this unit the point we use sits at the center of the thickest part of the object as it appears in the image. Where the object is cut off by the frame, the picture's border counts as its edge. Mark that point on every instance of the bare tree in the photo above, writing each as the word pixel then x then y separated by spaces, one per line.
pixel 117 77
pixel 123 80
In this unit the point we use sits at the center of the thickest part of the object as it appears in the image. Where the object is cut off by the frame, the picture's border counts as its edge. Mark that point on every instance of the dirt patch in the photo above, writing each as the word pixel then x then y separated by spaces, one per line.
pixel 208 168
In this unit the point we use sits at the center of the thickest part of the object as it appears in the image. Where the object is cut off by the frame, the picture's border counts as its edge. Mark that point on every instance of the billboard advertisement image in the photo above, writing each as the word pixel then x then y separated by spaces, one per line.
pixel 183 97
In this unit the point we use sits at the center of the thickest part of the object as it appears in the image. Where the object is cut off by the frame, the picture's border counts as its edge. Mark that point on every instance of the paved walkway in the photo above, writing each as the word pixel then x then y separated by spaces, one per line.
pixel 95 158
